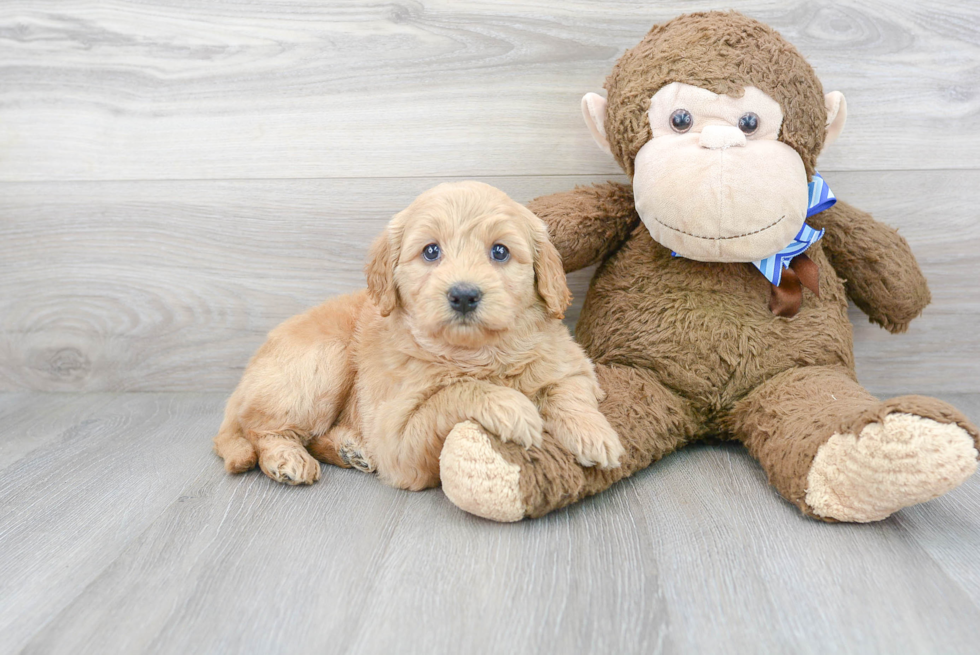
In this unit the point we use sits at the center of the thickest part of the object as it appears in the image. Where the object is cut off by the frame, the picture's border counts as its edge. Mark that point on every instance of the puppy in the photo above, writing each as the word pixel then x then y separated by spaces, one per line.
pixel 460 321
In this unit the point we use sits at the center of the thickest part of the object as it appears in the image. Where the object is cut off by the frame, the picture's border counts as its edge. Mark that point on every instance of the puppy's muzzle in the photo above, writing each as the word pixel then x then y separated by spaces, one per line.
pixel 464 298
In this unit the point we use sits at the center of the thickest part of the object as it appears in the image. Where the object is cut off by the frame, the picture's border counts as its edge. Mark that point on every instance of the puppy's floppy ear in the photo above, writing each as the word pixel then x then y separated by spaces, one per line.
pixel 380 270
pixel 548 270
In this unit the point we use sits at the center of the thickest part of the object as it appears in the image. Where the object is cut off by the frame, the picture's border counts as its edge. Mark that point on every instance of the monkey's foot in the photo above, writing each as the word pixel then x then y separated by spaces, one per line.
pixel 476 478
pixel 903 460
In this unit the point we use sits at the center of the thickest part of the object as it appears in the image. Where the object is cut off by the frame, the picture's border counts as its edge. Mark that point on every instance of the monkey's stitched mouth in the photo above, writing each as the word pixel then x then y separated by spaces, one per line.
pixel 737 236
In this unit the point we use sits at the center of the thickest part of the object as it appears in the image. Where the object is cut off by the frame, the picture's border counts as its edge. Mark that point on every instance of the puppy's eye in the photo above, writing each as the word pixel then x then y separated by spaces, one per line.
pixel 431 252
pixel 681 121
pixel 748 123
pixel 499 253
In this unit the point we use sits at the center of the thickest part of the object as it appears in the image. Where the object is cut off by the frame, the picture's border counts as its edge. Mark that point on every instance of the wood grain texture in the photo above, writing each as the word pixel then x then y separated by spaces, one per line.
pixel 70 506
pixel 165 285
pixel 301 89
pixel 32 420
pixel 949 529
pixel 778 582
pixel 172 285
pixel 696 554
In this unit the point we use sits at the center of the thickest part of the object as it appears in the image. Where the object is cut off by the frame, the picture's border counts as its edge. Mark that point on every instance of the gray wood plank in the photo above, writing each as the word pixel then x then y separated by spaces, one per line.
pixel 71 506
pixel 584 581
pixel 948 528
pixel 121 286
pixel 32 420
pixel 240 564
pixel 696 554
pixel 784 583
pixel 300 89
pixel 734 569
pixel 172 285
pixel 747 573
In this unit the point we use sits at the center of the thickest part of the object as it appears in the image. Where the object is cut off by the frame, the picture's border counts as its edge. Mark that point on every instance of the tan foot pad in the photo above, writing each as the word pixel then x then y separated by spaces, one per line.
pixel 903 461
pixel 476 478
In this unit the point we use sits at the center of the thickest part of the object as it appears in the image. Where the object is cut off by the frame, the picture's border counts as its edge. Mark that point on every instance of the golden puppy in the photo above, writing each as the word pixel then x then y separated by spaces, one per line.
pixel 460 321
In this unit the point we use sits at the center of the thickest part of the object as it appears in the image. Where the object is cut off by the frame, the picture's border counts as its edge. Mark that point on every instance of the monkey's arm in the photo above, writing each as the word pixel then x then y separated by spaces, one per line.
pixel 587 223
pixel 881 274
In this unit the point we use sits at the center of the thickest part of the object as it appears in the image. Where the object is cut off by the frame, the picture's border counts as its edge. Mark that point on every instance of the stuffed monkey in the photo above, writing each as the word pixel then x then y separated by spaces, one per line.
pixel 719 307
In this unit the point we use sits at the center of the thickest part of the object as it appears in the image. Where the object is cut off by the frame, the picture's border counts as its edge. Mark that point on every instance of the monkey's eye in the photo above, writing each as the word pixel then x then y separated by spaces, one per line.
pixel 431 252
pixel 748 123
pixel 499 252
pixel 681 121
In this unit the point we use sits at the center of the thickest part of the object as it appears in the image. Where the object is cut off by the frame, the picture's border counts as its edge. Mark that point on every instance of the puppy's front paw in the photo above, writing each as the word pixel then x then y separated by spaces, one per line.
pixel 594 442
pixel 289 463
pixel 525 430
pixel 513 417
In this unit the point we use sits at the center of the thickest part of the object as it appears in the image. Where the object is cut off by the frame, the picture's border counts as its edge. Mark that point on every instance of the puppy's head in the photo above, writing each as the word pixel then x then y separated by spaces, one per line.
pixel 465 263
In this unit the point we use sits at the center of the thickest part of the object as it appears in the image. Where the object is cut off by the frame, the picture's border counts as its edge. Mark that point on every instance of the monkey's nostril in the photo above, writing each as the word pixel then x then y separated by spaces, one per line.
pixel 464 298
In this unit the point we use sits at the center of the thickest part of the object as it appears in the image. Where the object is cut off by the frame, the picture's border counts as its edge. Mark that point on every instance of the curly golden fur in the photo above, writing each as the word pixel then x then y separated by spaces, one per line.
pixel 378 378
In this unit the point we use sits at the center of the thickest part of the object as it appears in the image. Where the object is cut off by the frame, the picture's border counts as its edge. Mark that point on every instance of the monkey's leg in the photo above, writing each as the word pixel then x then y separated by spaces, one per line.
pixel 506 482
pixel 839 454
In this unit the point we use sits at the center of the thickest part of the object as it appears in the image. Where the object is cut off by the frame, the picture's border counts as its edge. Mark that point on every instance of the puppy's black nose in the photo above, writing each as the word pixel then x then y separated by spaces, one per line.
pixel 464 298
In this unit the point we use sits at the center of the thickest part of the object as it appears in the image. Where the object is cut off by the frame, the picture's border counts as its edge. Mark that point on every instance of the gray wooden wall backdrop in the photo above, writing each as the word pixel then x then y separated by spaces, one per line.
pixel 176 177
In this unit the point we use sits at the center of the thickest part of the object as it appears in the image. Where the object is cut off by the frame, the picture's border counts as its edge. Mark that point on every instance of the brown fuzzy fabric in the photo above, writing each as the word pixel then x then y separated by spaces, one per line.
pixel 687 349
pixel 880 271
pixel 589 222
pixel 712 358
pixel 705 329
pixel 723 52
pixel 788 418
pixel 932 408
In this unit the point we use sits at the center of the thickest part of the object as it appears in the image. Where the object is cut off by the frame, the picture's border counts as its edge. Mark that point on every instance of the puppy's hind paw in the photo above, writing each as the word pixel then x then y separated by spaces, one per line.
pixel 289 463
pixel 352 455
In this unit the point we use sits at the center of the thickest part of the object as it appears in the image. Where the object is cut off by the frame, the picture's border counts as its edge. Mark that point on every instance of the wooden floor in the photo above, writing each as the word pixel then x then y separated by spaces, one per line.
pixel 121 533
pixel 176 178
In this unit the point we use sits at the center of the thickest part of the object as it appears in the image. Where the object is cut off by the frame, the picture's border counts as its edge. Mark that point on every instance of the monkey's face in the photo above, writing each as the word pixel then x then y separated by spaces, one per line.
pixel 715 183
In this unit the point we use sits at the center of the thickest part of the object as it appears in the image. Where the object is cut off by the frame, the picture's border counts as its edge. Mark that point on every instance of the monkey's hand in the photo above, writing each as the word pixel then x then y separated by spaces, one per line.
pixel 879 269
pixel 587 223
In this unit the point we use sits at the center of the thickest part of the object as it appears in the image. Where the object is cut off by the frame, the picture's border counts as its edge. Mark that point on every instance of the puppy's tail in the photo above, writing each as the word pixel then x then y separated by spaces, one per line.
pixel 230 443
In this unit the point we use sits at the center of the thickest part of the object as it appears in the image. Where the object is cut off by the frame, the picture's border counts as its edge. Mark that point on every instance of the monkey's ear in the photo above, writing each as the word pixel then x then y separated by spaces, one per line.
pixel 594 112
pixel 836 115
pixel 548 271
pixel 380 271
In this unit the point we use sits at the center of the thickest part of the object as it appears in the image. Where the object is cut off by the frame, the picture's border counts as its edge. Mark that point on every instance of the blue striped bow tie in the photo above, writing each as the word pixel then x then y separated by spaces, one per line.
pixel 820 198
